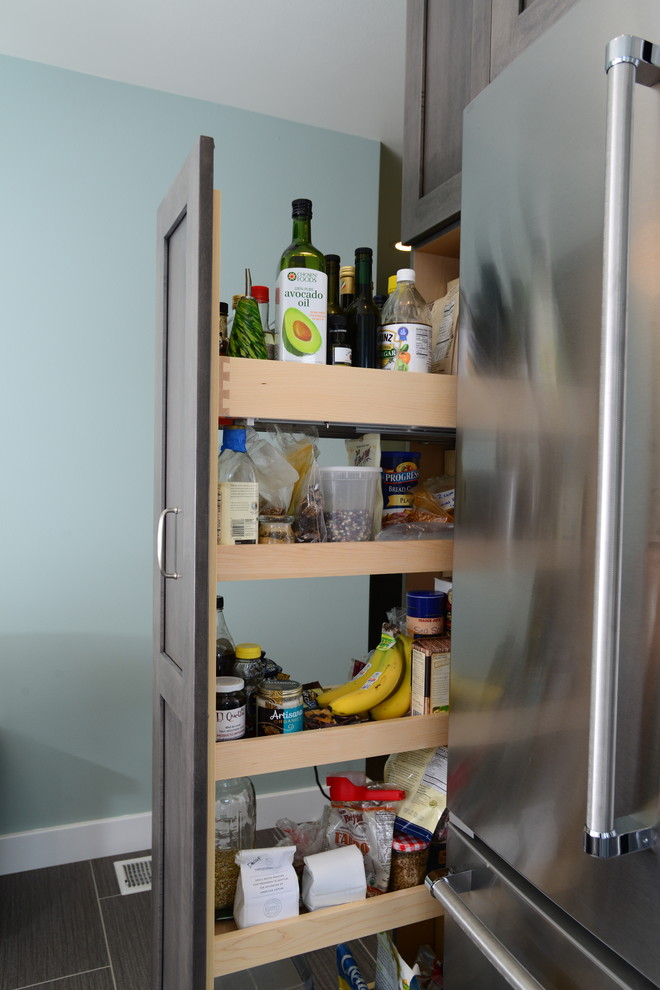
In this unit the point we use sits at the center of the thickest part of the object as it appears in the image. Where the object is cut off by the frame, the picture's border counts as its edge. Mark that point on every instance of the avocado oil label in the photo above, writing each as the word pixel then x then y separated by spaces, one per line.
pixel 404 347
pixel 301 306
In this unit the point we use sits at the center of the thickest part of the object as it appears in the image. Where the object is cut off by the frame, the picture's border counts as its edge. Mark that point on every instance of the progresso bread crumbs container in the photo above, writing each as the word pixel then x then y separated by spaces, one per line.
pixel 399 475
pixel 279 707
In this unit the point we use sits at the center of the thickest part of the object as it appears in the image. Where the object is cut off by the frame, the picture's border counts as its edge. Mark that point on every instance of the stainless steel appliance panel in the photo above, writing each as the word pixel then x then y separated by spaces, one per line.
pixel 531 281
pixel 553 950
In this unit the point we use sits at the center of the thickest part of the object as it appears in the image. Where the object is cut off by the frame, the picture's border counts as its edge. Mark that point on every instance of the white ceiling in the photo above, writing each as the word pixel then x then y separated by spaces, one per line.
pixel 335 63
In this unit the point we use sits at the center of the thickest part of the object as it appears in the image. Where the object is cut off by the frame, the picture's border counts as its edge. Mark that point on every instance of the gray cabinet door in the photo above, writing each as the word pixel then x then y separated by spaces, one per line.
pixel 181 606
pixel 447 64
pixel 516 23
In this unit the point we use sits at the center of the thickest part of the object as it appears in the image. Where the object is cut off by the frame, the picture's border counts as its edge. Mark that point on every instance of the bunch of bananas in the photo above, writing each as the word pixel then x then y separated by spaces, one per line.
pixel 382 688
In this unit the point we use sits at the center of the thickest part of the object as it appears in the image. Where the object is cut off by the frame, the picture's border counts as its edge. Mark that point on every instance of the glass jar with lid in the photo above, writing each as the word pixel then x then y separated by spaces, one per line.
pixel 409 861
pixel 235 829
pixel 276 529
pixel 249 666
pixel 229 708
pixel 279 707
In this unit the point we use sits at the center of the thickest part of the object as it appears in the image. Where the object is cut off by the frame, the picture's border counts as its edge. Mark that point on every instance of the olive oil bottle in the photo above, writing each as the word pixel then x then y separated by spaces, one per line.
pixel 301 294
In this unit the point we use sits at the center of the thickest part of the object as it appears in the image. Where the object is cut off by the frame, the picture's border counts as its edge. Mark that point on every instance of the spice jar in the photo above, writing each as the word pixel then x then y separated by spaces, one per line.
pixel 276 529
pixel 409 858
pixel 229 708
pixel 235 826
pixel 425 613
pixel 279 707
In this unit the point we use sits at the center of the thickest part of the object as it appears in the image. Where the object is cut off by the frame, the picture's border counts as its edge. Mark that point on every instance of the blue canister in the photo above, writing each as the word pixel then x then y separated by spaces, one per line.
pixel 425 613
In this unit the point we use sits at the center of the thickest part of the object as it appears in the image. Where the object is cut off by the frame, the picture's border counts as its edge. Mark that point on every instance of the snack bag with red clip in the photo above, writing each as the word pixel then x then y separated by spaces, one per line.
pixel 363 815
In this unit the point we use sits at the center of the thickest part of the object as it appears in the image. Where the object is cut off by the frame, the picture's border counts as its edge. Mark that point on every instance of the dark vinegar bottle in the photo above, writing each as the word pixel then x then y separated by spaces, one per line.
pixel 334 309
pixel 362 315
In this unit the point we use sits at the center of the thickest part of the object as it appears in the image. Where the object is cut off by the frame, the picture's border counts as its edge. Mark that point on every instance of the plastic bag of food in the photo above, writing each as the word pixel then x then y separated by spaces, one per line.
pixel 435 530
pixel 306 505
pixel 423 775
pixel 362 814
pixel 275 475
pixel 350 977
pixel 433 501
pixel 392 971
pixel 444 330
pixel 306 836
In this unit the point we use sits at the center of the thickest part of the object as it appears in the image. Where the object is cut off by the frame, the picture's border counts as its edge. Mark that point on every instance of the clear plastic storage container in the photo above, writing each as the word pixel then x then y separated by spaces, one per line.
pixel 349 495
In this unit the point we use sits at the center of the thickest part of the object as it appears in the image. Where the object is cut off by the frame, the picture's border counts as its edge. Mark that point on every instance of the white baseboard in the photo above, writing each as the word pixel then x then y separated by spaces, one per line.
pixel 130 833
pixel 72 843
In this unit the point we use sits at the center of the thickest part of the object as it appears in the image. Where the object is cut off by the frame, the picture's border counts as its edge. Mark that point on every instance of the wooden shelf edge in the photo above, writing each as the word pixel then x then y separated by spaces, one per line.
pixel 306 560
pixel 243 948
pixel 271 754
pixel 329 393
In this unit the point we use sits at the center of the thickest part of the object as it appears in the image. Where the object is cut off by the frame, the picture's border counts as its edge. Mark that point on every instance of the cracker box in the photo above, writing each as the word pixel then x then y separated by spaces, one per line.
pixel 431 659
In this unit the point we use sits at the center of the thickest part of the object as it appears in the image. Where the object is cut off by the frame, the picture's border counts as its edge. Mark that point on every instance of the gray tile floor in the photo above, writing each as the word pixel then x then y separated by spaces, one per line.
pixel 69 928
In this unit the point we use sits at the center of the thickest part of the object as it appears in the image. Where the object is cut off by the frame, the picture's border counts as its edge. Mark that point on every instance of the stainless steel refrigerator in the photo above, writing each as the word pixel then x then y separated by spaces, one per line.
pixel 554 740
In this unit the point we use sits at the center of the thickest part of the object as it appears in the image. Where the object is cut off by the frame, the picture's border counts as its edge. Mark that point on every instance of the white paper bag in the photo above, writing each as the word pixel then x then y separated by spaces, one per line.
pixel 267 888
pixel 333 877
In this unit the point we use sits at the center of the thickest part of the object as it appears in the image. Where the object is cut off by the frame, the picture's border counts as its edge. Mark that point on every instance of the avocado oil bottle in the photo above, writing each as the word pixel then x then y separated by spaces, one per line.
pixel 301 294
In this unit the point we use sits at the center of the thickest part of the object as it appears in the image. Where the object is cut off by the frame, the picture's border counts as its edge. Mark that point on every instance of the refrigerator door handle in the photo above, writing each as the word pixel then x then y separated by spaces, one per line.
pixel 160 544
pixel 628 60
pixel 447 891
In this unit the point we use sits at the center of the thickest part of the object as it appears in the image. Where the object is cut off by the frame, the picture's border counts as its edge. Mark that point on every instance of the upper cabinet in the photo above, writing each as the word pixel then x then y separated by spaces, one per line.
pixel 447 64
pixel 453 50
pixel 516 23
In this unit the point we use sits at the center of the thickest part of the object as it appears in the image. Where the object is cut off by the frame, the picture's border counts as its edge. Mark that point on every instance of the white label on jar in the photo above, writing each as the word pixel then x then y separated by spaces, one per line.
pixel 285 716
pixel 404 347
pixel 230 724
pixel 301 311
pixel 238 508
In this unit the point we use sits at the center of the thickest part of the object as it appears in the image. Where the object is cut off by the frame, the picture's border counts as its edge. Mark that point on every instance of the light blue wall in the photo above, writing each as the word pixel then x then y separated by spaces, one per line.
pixel 84 164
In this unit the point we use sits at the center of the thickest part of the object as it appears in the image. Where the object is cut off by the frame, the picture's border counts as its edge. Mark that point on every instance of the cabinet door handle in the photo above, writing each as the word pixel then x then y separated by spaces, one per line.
pixel 447 890
pixel 160 544
pixel 627 60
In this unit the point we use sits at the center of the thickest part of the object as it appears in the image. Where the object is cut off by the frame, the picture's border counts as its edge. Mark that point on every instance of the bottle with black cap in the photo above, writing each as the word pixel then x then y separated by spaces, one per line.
pixel 224 644
pixel 362 315
pixel 336 318
pixel 301 294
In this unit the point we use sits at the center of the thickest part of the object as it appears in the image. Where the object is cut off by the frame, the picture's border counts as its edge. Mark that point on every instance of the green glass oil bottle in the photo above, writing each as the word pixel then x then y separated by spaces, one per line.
pixel 301 294
pixel 362 314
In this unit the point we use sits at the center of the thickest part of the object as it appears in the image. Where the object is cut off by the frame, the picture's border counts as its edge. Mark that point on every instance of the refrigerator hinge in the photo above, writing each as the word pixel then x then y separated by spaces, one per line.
pixel 627 836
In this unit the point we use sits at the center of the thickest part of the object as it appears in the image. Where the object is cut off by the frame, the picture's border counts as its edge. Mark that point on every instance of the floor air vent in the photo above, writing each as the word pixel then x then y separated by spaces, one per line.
pixel 133 875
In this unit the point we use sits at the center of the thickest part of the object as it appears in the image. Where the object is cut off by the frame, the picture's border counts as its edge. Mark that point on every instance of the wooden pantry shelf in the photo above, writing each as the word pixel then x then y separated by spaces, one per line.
pixel 271 754
pixel 306 560
pixel 292 392
pixel 237 949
